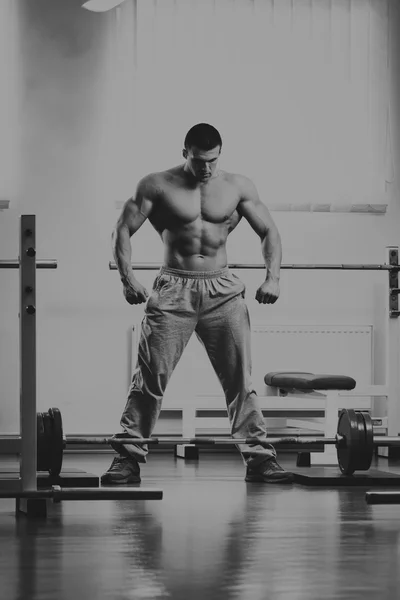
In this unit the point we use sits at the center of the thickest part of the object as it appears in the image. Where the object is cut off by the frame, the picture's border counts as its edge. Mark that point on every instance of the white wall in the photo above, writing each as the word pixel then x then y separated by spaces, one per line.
pixel 68 126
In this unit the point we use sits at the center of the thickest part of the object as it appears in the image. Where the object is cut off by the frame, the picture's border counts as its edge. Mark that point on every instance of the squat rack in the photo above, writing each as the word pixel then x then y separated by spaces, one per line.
pixel 25 443
pixel 29 499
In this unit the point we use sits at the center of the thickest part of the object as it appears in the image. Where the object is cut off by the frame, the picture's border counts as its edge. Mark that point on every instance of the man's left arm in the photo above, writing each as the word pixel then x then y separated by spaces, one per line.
pixel 258 216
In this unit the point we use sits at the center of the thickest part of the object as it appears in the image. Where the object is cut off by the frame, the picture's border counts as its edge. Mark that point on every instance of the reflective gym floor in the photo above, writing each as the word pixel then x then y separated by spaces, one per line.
pixel 212 536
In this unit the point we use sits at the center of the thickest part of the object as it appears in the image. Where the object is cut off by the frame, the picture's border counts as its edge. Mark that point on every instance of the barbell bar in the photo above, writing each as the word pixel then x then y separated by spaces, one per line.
pixel 40 264
pixel 337 267
pixel 338 441
pixel 354 441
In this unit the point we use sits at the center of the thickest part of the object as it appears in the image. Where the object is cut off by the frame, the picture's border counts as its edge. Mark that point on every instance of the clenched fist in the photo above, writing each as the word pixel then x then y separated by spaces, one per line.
pixel 268 292
pixel 135 293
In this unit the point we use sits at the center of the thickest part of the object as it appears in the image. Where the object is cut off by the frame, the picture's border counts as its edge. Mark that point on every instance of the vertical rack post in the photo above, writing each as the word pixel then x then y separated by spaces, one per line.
pixel 392 378
pixel 27 349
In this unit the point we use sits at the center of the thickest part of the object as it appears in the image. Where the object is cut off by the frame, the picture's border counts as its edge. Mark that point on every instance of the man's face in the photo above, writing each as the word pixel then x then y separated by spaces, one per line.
pixel 202 163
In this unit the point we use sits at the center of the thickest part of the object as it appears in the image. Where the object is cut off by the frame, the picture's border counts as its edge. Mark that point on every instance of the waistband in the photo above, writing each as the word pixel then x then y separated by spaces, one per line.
pixel 194 274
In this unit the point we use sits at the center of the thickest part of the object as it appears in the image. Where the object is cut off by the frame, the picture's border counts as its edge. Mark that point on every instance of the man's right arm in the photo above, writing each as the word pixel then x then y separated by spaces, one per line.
pixel 134 213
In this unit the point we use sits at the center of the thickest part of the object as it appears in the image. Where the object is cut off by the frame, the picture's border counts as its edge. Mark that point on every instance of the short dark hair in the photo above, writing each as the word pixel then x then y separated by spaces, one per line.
pixel 203 136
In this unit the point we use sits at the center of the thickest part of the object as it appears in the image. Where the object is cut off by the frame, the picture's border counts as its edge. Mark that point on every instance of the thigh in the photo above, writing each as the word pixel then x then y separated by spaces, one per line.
pixel 226 337
pixel 167 326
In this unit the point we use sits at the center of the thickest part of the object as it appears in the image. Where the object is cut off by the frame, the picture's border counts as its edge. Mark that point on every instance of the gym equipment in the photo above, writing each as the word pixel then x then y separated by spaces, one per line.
pixel 25 444
pixel 50 442
pixel 289 380
pixel 57 494
pixel 331 476
pixel 354 441
pixel 34 502
pixel 340 267
pixel 40 442
pixel 40 264
pixel 382 497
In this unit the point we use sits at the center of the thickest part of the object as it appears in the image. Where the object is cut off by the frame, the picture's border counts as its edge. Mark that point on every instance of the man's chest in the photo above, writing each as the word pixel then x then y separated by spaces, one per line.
pixel 214 202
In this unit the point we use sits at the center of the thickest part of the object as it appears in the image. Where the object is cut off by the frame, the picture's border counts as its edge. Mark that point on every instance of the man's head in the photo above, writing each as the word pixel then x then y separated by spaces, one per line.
pixel 203 145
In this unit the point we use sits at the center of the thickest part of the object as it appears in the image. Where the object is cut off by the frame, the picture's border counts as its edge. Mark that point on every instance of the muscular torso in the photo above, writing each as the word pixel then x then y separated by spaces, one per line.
pixel 195 220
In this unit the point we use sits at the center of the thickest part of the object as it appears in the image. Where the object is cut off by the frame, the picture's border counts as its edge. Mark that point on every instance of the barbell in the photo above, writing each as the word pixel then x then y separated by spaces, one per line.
pixel 354 441
pixel 394 268
pixel 47 263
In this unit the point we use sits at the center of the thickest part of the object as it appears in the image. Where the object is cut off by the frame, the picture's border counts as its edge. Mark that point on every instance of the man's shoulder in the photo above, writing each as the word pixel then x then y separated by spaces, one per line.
pixel 150 179
pixel 158 178
pixel 237 179
pixel 153 183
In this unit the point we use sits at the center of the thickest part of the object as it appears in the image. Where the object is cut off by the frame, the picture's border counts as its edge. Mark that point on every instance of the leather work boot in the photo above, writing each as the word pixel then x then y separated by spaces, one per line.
pixel 269 471
pixel 123 469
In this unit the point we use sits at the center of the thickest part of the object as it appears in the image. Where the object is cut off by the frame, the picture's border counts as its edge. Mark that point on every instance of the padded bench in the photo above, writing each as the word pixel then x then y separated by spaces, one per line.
pixel 308 381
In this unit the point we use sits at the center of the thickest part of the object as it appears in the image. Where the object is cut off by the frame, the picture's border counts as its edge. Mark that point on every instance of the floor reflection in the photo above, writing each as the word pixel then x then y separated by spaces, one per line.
pixel 212 536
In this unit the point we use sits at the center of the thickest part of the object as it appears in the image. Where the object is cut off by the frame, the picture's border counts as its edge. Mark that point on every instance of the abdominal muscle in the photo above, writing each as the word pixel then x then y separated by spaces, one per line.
pixel 196 262
pixel 196 248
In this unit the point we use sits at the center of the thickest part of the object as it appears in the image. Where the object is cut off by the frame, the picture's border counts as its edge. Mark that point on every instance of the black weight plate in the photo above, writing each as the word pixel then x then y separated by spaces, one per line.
pixel 368 451
pixel 42 453
pixel 361 449
pixel 57 442
pixel 347 453
pixel 48 439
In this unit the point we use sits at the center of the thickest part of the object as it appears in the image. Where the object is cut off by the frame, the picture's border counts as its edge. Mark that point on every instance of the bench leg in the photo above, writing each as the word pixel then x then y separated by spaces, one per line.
pixel 329 456
pixel 303 459
pixel 33 508
pixel 189 451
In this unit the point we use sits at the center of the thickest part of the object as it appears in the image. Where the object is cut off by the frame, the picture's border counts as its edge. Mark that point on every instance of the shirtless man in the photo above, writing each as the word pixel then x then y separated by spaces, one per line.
pixel 194 207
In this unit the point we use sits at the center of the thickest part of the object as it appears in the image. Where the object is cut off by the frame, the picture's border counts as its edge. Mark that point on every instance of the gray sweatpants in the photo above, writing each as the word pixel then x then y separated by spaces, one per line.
pixel 212 305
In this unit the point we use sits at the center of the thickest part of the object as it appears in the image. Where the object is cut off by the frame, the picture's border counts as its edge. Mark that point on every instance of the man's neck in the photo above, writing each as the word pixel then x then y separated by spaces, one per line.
pixel 194 181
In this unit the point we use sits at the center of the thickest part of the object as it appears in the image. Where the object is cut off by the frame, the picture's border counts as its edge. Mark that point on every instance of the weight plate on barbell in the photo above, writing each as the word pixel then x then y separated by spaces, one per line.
pixel 348 452
pixel 361 451
pixel 57 442
pixel 368 449
pixel 42 445
pixel 48 438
